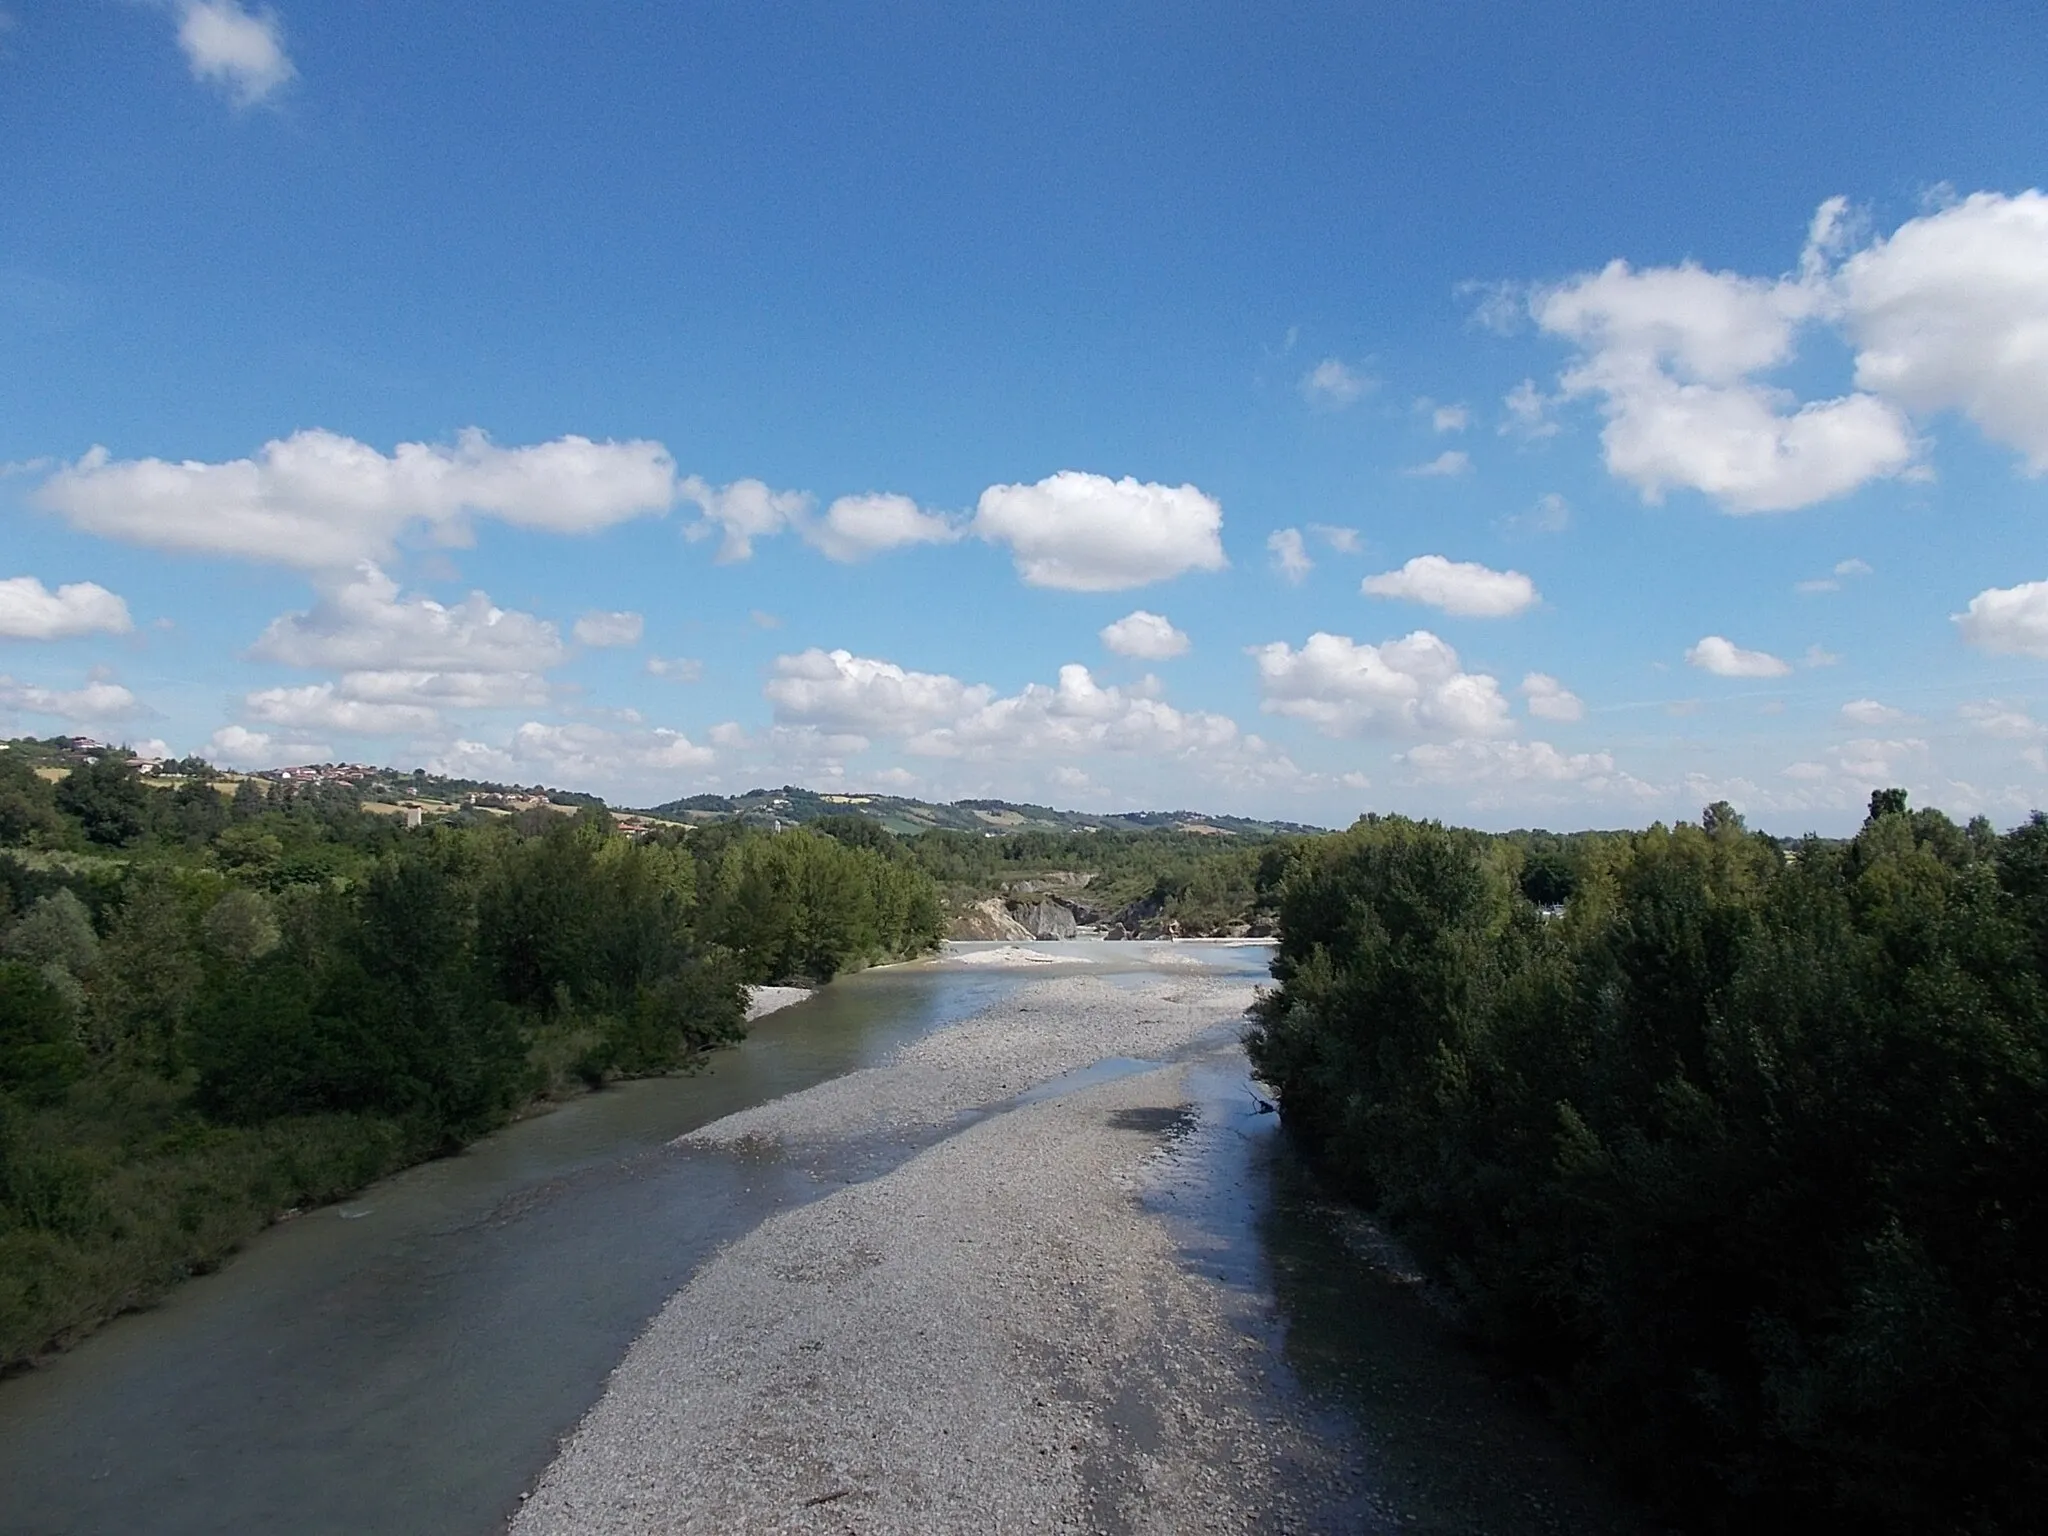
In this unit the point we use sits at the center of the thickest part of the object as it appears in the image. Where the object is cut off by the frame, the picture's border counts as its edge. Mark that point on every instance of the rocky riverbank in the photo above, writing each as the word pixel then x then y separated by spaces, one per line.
pixel 1004 1331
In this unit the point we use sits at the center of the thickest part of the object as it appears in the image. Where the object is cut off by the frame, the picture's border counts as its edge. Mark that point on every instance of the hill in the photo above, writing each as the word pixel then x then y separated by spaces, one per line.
pixel 908 817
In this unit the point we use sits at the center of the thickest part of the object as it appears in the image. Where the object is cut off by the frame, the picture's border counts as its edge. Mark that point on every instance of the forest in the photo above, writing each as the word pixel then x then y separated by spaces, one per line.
pixel 1739 1149
pixel 216 1008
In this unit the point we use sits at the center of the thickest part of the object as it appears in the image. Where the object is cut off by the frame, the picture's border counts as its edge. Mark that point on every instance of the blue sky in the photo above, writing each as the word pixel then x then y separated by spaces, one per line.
pixel 1110 405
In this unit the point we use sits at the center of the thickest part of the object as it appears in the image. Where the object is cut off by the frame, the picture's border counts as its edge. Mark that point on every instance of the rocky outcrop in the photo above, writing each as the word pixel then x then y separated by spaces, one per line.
pixel 1044 919
pixel 987 919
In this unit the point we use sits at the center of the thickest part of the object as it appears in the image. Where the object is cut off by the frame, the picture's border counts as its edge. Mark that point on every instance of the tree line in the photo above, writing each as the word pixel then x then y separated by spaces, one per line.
pixel 214 1008
pixel 1744 1153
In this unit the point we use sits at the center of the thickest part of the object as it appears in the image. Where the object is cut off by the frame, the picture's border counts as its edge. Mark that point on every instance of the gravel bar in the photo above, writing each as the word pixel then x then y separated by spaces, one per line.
pixel 993 1337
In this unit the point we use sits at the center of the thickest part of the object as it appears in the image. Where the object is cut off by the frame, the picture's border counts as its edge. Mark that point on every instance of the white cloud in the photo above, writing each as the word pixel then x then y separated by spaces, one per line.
pixel 1412 684
pixel 2005 721
pixel 318 500
pixel 1872 761
pixel 324 707
pixel 1869 713
pixel 1519 767
pixel 1670 353
pixel 98 700
pixel 583 753
pixel 1290 554
pixel 1333 383
pixel 601 628
pixel 1145 635
pixel 1088 533
pixel 855 527
pixel 31 611
pixel 1458 587
pixel 1447 465
pixel 362 623
pixel 858 695
pixel 1951 313
pixel 742 512
pixel 1345 541
pixel 1551 700
pixel 2008 620
pixel 1843 570
pixel 1819 656
pixel 1817 584
pixel 1528 412
pixel 1450 418
pixel 1852 567
pixel 677 669
pixel 236 746
pixel 1078 717
pixel 238 50
pixel 1723 658
pixel 445 690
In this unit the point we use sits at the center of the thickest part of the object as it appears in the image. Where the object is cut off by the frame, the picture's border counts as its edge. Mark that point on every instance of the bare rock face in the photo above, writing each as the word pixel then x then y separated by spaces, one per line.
pixel 987 919
pixel 1044 919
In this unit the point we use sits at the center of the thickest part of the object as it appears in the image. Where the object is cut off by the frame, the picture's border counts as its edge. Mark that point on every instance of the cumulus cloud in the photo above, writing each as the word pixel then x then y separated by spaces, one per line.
pixel 855 527
pixel 1520 766
pixel 741 512
pixel 1344 688
pixel 1147 636
pixel 1333 383
pixel 236 746
pixel 1870 713
pixel 1078 716
pixel 1345 541
pixel 1450 418
pixel 1946 313
pixel 238 50
pixel 1088 533
pixel 98 701
pixel 31 611
pixel 318 500
pixel 600 628
pixel 1551 700
pixel 1670 354
pixel 1457 587
pixel 2003 720
pixel 677 669
pixel 2010 621
pixel 858 695
pixel 840 702
pixel 1290 554
pixel 324 707
pixel 1447 465
pixel 363 623
pixel 1951 313
pixel 1724 658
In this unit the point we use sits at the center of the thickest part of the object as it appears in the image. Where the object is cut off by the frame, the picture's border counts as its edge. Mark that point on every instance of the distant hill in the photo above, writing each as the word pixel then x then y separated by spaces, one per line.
pixel 790 804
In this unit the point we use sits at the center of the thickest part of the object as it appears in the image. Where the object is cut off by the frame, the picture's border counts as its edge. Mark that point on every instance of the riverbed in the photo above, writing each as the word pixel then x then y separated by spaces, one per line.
pixel 421 1358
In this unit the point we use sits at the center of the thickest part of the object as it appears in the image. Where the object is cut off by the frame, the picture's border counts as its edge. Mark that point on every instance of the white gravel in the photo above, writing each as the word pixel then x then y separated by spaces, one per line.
pixel 1045 1029
pixel 766 1000
pixel 992 1338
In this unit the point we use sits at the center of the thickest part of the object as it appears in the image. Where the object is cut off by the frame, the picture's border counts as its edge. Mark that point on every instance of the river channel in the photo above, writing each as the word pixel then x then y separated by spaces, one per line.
pixel 410 1360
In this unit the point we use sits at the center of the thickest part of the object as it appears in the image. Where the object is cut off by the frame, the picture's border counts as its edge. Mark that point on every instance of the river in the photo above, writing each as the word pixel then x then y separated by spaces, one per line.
pixel 409 1360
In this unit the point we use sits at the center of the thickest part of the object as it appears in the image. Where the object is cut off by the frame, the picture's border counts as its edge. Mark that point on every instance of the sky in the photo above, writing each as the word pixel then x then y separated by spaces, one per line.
pixel 1529 415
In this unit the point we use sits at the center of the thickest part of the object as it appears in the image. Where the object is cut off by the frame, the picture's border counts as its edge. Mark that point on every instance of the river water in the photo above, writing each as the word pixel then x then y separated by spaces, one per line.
pixel 407 1361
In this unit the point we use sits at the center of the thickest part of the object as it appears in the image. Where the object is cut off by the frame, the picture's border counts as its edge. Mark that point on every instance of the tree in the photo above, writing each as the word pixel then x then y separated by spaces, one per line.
pixel 28 803
pixel 1887 802
pixel 108 798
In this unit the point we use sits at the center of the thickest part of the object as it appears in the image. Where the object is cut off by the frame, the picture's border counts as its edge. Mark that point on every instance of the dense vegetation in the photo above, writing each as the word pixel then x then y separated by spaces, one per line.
pixel 216 1007
pixel 1745 1153
pixel 1199 880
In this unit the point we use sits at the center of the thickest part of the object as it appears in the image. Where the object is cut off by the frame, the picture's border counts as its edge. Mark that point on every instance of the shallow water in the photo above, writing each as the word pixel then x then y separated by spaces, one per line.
pixel 408 1361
